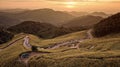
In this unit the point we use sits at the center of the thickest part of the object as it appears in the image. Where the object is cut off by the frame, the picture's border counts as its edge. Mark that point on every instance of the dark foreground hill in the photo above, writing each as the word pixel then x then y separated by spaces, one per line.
pixel 83 21
pixel 43 30
pixel 5 36
pixel 107 26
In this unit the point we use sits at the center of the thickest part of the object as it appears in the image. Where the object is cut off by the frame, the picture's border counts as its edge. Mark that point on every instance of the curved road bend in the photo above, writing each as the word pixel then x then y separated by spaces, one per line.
pixel 89 36
pixel 11 43
pixel 27 45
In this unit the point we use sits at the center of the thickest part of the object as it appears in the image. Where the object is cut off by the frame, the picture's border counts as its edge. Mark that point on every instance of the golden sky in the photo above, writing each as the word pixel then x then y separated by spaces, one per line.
pixel 64 5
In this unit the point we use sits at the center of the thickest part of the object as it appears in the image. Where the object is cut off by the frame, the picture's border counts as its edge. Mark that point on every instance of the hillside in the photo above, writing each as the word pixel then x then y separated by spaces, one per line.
pixel 97 52
pixel 36 28
pixel 43 30
pixel 83 21
pixel 55 49
pixel 5 36
pixel 41 15
pixel 107 26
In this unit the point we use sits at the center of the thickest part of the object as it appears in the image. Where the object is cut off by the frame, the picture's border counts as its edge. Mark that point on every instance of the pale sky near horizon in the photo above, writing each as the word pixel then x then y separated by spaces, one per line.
pixel 64 5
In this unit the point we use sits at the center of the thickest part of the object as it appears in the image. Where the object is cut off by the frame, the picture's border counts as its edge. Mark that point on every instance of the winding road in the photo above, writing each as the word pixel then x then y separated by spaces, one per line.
pixel 72 43
pixel 56 45
pixel 24 57
pixel 11 43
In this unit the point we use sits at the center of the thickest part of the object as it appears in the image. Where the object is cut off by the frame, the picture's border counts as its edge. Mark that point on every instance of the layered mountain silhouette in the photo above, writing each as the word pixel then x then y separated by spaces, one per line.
pixel 13 10
pixel 41 15
pixel 78 14
pixel 101 14
pixel 83 21
pixel 8 21
pixel 107 26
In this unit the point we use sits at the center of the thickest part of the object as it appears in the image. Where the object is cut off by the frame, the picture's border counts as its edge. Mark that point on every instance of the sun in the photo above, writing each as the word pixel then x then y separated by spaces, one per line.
pixel 70 4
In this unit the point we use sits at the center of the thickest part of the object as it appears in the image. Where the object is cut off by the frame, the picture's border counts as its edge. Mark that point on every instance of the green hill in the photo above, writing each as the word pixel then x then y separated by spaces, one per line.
pixel 97 52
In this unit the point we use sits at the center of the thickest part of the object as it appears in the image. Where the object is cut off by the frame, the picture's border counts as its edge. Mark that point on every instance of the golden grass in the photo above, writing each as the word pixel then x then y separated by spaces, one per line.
pixel 106 51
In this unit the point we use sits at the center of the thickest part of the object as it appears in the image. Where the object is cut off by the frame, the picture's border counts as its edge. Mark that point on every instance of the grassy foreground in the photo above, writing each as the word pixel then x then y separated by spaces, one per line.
pixel 97 52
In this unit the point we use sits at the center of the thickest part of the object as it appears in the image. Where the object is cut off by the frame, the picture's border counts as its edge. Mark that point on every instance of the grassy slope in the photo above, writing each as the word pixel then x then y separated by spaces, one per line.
pixel 41 42
pixel 9 55
pixel 106 51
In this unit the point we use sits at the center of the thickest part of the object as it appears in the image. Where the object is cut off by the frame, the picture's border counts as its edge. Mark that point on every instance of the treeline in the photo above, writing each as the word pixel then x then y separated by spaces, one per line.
pixel 5 35
pixel 107 26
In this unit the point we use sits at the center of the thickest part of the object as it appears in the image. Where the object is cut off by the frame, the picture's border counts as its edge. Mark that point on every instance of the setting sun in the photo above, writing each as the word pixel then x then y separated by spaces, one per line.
pixel 70 4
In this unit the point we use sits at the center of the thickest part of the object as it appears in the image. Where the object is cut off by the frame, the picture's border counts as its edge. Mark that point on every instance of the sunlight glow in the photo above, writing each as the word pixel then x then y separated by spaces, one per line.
pixel 70 4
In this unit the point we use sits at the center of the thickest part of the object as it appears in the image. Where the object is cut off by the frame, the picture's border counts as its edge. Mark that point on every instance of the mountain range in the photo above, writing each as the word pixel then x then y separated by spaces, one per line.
pixel 57 18
pixel 83 21
pixel 40 15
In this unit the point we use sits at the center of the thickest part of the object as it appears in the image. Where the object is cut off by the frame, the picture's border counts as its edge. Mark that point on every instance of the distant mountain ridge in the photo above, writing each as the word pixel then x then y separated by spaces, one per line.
pixel 101 14
pixel 78 14
pixel 8 21
pixel 13 10
pixel 41 15
pixel 87 20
